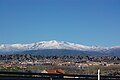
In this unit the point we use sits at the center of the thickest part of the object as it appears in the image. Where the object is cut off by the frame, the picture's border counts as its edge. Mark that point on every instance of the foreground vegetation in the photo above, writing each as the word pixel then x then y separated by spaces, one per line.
pixel 110 70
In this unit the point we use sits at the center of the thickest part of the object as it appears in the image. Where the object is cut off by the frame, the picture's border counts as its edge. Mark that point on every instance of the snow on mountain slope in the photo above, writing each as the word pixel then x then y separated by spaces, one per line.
pixel 53 44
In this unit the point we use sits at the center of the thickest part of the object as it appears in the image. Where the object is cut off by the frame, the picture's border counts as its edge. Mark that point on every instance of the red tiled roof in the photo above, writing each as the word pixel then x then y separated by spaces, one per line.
pixel 52 71
pixel 59 71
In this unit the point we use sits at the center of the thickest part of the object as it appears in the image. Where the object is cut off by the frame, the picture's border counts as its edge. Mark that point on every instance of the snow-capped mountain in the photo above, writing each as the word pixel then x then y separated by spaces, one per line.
pixel 53 44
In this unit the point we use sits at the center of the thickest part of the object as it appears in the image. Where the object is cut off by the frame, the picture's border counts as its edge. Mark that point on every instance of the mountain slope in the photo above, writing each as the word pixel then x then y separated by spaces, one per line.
pixel 46 47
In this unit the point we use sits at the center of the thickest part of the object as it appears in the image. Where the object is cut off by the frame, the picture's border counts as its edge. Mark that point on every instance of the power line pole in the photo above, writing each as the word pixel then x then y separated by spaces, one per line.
pixel 98 74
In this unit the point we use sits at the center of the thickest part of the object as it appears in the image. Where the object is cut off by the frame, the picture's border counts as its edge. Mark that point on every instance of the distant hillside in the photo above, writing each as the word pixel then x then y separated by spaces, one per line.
pixel 58 48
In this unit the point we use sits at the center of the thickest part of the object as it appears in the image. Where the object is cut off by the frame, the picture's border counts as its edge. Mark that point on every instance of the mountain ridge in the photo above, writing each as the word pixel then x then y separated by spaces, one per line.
pixel 60 45
pixel 53 44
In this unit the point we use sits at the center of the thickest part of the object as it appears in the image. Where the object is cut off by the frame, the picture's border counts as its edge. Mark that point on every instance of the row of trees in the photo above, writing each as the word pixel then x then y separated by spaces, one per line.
pixel 64 57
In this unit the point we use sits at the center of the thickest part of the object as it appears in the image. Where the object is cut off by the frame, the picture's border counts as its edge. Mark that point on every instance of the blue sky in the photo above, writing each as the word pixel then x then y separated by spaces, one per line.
pixel 89 22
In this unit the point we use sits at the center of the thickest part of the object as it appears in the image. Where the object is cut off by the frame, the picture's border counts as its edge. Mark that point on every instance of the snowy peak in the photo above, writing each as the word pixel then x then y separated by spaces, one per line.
pixel 53 44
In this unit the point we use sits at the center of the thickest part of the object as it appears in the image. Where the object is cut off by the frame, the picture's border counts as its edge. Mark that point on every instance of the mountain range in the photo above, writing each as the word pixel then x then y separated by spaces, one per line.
pixel 54 47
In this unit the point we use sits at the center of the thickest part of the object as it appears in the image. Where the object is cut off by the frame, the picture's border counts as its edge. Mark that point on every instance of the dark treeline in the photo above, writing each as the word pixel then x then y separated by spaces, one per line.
pixel 22 57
